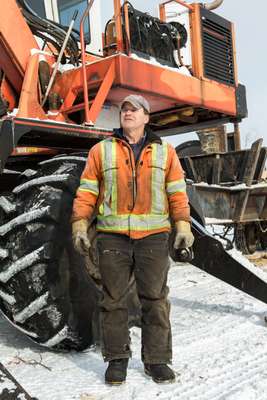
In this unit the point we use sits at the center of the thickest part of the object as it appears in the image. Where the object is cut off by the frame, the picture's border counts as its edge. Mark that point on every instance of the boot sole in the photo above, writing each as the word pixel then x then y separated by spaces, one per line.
pixel 114 383
pixel 147 372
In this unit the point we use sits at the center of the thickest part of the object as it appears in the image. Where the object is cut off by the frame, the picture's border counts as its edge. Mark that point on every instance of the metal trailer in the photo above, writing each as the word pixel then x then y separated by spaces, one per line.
pixel 231 191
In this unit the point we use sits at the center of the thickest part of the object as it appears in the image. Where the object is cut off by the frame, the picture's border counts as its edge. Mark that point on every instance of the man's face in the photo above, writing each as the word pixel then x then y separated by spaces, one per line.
pixel 132 118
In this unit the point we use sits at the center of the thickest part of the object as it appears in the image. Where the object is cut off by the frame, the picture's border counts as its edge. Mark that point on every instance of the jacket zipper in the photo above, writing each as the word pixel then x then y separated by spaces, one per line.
pixel 134 177
pixel 134 168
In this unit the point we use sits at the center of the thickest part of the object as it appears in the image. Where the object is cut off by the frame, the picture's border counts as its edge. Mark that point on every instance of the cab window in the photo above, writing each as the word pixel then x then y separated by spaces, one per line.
pixel 38 7
pixel 66 10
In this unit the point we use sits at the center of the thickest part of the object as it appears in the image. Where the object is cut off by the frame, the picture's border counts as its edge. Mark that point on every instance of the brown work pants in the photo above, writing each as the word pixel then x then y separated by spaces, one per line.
pixel 148 260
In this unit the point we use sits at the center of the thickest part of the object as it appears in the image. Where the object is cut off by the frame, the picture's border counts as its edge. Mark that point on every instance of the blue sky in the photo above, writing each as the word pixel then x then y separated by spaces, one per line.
pixel 251 45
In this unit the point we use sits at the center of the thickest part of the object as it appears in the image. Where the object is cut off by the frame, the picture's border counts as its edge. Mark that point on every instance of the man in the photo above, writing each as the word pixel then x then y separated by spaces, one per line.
pixel 134 183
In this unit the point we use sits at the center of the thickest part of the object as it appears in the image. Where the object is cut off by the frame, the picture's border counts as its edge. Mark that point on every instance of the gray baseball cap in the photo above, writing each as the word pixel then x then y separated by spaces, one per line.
pixel 137 101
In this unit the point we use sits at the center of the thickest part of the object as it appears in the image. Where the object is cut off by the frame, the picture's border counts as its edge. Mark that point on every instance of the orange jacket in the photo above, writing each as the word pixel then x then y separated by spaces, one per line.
pixel 136 200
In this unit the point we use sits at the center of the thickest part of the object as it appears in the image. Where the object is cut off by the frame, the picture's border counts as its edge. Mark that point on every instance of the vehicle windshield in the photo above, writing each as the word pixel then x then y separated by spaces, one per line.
pixel 66 9
pixel 38 7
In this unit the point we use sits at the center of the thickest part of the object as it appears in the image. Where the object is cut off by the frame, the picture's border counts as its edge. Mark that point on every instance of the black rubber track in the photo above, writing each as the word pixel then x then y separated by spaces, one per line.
pixel 45 288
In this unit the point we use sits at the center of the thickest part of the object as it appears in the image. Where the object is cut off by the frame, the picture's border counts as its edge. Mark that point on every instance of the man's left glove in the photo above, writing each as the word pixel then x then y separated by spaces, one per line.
pixel 184 238
pixel 80 238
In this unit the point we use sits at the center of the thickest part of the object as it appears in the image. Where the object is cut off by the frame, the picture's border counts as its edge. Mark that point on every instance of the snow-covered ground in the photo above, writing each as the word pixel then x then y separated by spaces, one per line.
pixel 219 343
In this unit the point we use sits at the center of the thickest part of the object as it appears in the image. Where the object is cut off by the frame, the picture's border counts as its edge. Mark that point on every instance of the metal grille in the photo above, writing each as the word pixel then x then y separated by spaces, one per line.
pixel 218 54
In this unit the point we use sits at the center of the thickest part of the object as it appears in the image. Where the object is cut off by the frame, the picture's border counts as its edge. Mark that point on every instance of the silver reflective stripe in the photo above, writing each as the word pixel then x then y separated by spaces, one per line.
pixel 108 151
pixel 132 222
pixel 89 185
pixel 178 186
pixel 159 160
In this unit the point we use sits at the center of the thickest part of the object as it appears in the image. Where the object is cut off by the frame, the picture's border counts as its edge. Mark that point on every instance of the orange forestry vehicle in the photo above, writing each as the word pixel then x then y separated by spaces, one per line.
pixel 61 82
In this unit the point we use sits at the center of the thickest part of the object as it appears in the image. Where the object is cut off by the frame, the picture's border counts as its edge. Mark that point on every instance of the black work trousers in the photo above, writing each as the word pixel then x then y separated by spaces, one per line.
pixel 148 260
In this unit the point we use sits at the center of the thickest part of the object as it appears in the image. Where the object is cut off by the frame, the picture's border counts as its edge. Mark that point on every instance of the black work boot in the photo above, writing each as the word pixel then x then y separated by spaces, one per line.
pixel 160 373
pixel 116 372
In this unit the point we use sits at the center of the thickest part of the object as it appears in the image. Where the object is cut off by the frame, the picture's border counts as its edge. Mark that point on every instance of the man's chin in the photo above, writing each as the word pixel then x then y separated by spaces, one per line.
pixel 128 125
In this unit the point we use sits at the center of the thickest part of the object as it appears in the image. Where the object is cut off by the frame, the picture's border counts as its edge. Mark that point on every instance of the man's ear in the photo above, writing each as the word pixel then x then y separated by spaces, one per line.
pixel 146 118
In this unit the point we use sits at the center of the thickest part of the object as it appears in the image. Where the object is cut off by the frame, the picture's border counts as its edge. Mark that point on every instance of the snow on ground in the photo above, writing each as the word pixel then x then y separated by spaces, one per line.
pixel 219 343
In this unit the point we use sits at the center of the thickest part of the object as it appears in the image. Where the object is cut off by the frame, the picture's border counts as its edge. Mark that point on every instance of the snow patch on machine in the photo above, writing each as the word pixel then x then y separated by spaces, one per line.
pixel 7 298
pixel 34 307
pixel 35 226
pixel 58 338
pixel 24 219
pixel 64 158
pixel 6 205
pixel 20 265
pixel 29 173
pixel 3 253
pixel 54 315
pixel 40 181
pixel 34 277
pixel 66 167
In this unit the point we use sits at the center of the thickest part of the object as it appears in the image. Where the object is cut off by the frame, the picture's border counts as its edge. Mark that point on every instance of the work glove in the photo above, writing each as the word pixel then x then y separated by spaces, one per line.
pixel 184 237
pixel 80 238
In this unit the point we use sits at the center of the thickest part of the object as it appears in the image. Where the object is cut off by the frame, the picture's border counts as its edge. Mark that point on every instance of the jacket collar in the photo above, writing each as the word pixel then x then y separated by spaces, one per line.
pixel 151 137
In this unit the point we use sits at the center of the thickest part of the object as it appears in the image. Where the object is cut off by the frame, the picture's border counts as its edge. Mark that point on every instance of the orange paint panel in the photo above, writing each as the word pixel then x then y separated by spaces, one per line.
pixel 70 83
pixel 9 66
pixel 69 100
pixel 82 41
pixel 218 97
pixel 16 42
pixel 181 89
pixel 102 93
pixel 196 42
pixel 29 106
pixel 169 86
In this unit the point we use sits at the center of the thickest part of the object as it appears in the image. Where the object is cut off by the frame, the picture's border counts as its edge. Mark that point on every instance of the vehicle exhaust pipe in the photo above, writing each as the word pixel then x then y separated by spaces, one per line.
pixel 214 4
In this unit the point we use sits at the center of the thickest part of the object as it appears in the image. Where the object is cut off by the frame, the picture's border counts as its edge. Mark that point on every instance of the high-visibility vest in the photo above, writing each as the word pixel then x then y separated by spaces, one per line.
pixel 110 217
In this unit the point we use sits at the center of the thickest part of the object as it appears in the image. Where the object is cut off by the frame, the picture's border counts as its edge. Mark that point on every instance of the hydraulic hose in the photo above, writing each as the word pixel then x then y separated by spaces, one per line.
pixel 47 29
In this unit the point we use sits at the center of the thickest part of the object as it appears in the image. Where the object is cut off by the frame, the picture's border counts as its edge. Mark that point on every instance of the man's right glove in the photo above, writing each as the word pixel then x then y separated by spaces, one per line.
pixel 80 238
pixel 184 237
